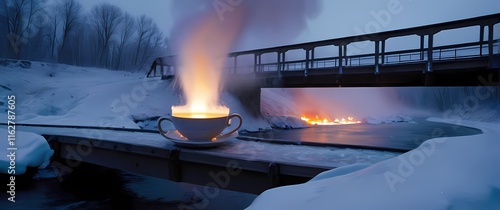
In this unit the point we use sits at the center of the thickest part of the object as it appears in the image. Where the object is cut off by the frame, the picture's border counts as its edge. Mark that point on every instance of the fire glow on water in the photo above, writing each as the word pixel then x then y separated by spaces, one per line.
pixel 326 121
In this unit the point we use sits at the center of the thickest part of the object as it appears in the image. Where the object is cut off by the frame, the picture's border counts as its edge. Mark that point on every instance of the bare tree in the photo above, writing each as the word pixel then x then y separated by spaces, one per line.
pixel 70 11
pixel 84 46
pixel 144 28
pixel 153 45
pixel 105 36
pixel 106 19
pixel 126 32
pixel 3 29
pixel 35 22
pixel 19 16
pixel 54 25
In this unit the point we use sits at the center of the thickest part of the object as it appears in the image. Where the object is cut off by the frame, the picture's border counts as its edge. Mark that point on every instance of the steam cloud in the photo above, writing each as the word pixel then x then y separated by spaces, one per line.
pixel 266 23
pixel 208 30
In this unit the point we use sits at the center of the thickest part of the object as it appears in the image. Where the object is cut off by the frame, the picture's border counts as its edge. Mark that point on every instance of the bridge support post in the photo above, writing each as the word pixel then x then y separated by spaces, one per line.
pixel 481 40
pixel 279 64
pixel 490 41
pixel 247 91
pixel 383 51
pixel 422 37
pixel 312 58
pixel 429 52
pixel 377 47
pixel 341 57
pixel 250 99
pixel 255 63
pixel 308 51
pixel 345 55
pixel 283 58
pixel 259 63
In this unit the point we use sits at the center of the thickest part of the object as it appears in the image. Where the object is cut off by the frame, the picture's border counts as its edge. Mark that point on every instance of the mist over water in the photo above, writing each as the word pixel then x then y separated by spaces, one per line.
pixel 475 102
pixel 343 102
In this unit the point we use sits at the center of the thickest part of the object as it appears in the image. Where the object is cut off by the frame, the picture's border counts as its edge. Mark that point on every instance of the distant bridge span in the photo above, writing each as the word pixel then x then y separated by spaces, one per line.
pixel 463 64
pixel 450 65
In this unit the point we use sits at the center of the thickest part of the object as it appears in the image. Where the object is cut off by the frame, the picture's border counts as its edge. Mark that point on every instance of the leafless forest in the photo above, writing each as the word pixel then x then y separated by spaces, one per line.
pixel 60 31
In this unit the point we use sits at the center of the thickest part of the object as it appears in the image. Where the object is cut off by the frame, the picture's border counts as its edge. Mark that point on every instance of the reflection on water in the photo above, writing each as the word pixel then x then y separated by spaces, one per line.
pixel 404 136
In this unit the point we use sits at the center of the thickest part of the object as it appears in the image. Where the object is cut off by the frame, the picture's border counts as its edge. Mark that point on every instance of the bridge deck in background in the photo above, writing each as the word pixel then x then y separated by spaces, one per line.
pixel 430 64
pixel 239 165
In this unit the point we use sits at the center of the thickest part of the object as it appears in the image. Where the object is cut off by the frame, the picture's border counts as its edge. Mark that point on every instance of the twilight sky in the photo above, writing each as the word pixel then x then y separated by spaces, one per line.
pixel 338 18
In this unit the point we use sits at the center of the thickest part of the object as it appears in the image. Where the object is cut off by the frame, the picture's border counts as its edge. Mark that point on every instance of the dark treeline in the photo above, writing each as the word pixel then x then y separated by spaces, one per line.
pixel 60 31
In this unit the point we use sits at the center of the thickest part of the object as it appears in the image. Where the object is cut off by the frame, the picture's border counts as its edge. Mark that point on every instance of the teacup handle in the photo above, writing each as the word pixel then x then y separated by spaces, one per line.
pixel 234 130
pixel 162 132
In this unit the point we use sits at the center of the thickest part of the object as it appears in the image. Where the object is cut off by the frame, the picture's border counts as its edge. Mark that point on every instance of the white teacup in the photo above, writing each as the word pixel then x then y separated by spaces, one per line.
pixel 207 128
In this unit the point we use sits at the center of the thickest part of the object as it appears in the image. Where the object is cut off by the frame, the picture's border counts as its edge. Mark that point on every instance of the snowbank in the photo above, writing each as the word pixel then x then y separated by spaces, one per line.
pixel 32 150
pixel 279 109
pixel 443 173
pixel 278 102
pixel 389 120
pixel 286 122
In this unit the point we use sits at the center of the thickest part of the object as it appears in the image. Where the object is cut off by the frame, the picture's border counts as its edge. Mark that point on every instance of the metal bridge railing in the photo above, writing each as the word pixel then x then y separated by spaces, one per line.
pixel 440 53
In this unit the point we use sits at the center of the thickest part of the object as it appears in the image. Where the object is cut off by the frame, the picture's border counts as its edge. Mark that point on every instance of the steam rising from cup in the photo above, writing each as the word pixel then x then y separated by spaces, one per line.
pixel 203 40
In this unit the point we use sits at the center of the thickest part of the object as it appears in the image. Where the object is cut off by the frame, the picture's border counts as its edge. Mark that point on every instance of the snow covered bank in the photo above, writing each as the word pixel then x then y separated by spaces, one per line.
pixel 30 150
pixel 69 95
pixel 279 109
pixel 286 122
pixel 443 173
pixel 389 120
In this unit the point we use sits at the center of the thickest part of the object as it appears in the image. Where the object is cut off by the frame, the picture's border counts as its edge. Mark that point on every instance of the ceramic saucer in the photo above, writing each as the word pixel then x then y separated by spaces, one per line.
pixel 179 140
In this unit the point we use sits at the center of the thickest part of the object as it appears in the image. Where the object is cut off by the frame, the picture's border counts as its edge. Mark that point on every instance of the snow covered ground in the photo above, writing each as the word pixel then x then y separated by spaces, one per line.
pixel 443 173
pixel 29 150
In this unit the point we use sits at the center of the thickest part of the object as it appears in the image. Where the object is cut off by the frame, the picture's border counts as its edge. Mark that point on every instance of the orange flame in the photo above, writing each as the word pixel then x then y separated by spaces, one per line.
pixel 326 121
pixel 202 57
